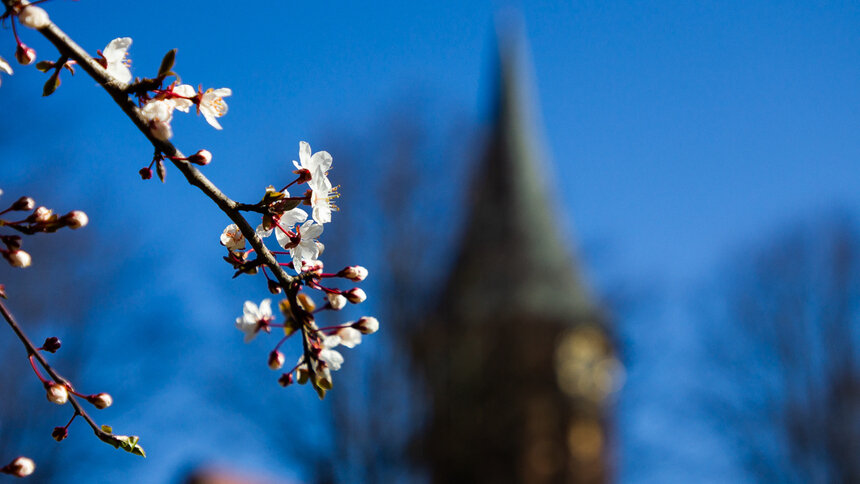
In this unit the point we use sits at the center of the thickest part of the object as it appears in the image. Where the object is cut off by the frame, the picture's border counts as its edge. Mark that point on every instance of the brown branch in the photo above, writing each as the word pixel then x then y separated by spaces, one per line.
pixel 35 353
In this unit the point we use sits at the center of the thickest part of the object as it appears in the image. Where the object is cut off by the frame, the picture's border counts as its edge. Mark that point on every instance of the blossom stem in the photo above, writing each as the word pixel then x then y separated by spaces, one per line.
pixel 36 369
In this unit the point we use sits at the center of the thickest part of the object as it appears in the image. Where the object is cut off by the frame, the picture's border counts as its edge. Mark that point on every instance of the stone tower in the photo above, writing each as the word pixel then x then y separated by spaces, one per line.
pixel 517 359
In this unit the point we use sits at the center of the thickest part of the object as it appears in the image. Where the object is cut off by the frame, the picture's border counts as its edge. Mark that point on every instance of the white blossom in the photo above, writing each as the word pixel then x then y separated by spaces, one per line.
pixel 330 357
pixel 185 102
pixel 232 238
pixel 115 55
pixel 318 165
pixel 57 393
pixel 253 318
pixel 349 336
pixel 212 105
pixel 307 248
pixel 159 113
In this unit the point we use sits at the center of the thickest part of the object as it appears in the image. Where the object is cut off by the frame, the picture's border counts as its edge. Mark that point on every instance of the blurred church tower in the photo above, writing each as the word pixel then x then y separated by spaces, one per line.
pixel 517 359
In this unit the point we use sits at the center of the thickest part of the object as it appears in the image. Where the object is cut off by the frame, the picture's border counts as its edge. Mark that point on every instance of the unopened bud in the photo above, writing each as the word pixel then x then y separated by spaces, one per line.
pixel 202 158
pixel 18 258
pixel 355 295
pixel 100 400
pixel 60 433
pixel 367 325
pixel 23 204
pixel 274 287
pixel 41 215
pixel 20 467
pixel 354 273
pixel 34 17
pixel 336 301
pixel 145 173
pixel 305 302
pixel 76 219
pixel 286 379
pixel 160 130
pixel 276 360
pixel 57 393
pixel 349 336
pixel 312 266
pixel 25 55
pixel 52 344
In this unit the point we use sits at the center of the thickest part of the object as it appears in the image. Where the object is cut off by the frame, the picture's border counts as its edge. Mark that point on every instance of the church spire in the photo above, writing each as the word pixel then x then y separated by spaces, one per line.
pixel 513 258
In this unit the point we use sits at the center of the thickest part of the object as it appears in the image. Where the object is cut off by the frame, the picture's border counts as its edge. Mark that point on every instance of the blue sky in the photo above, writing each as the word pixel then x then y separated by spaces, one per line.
pixel 678 130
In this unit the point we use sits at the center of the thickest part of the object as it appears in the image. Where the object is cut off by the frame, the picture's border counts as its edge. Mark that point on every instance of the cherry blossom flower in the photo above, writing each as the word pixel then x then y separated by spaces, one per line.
pixel 307 248
pixel 232 238
pixel 116 60
pixel 57 393
pixel 322 192
pixel 158 113
pixel 254 318
pixel 187 94
pixel 332 359
pixel 212 105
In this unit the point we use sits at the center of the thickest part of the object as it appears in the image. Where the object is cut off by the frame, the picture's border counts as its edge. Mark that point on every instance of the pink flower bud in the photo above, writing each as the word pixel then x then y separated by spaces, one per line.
pixel 286 379
pixel 60 433
pixel 355 295
pixel 100 400
pixel 34 17
pixel 20 467
pixel 57 393
pixel 367 325
pixel 25 55
pixel 42 215
pixel 76 219
pixel 276 360
pixel 52 344
pixel 18 258
pixel 312 266
pixel 336 301
pixel 24 204
pixel 145 173
pixel 202 158
pixel 354 273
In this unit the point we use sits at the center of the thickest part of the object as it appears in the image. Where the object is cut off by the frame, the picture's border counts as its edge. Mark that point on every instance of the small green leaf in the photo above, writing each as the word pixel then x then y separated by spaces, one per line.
pixel 107 429
pixel 167 63
pixel 45 65
pixel 52 84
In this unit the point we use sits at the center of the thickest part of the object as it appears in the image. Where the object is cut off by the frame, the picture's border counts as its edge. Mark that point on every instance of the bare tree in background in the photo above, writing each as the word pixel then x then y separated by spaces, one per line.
pixel 786 385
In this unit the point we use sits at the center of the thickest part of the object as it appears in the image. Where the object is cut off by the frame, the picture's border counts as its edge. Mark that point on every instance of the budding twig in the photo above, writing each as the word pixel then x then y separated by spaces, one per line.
pixel 120 93
pixel 32 352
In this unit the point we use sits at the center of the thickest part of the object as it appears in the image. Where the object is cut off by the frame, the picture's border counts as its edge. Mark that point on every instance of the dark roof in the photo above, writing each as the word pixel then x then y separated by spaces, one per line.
pixel 513 260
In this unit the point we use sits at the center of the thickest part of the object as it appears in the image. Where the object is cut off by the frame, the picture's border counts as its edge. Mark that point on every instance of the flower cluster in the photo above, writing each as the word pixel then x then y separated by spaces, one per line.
pixel 296 234
pixel 157 102
pixel 41 219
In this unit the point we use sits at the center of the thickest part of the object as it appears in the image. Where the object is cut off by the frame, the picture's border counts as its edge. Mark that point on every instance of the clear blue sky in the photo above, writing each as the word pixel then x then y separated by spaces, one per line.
pixel 678 130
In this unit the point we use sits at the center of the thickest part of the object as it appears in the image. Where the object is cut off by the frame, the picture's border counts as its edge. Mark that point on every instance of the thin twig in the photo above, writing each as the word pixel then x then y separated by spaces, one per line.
pixel 35 353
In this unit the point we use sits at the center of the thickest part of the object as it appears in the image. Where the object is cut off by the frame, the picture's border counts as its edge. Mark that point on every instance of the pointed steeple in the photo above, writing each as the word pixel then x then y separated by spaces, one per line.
pixel 513 259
